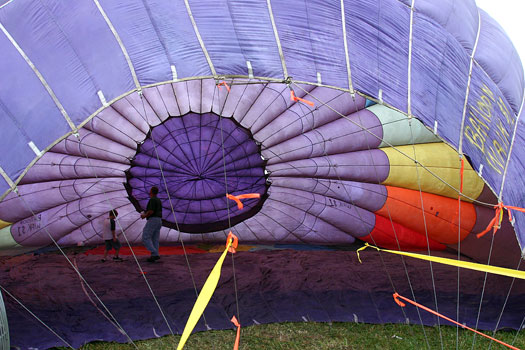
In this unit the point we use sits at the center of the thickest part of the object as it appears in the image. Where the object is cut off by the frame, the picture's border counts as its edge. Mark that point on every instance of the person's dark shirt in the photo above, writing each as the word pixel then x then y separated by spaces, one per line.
pixel 155 205
pixel 112 224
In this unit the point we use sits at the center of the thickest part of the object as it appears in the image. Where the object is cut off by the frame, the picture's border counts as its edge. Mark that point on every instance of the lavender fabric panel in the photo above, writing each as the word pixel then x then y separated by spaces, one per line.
pixel 94 146
pixel 102 59
pixel 452 87
pixel 56 166
pixel 19 113
pixel 176 34
pixel 110 124
pixel 279 221
pixel 311 38
pixel 377 36
pixel 236 32
pixel 344 216
pixel 39 197
pixel 61 220
pixel 500 60
pixel 431 73
pixel 458 18
pixel 48 48
pixel 364 166
pixel 133 23
pixel 361 35
pixel 301 118
pixel 368 196
pixel 392 39
pixel 358 131
pixel 128 226
pixel 489 126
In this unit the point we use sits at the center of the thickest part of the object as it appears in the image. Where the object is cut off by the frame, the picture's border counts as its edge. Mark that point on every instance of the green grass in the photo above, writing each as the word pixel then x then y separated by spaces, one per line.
pixel 321 336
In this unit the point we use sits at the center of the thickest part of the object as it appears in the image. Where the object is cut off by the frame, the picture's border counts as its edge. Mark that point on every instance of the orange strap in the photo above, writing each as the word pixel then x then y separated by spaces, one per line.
pixel 495 223
pixel 238 337
pixel 461 173
pixel 295 98
pixel 235 242
pixel 238 198
pixel 400 303
pixel 225 84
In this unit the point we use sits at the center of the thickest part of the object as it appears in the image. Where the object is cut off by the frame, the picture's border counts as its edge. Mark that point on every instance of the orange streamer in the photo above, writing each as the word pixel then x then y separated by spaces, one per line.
pixel 238 337
pixel 235 242
pixel 400 303
pixel 238 198
pixel 461 172
pixel 225 84
pixel 295 98
pixel 495 223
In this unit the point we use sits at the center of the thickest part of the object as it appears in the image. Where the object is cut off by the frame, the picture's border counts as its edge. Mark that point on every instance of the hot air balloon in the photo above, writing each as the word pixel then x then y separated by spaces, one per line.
pixel 394 123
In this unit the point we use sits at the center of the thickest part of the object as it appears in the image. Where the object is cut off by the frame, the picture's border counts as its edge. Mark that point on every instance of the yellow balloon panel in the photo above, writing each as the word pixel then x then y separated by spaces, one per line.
pixel 441 161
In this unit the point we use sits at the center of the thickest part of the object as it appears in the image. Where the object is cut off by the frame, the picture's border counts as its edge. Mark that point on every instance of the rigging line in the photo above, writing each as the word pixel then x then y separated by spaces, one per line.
pixel 391 221
pixel 397 149
pixel 483 291
pixel 226 187
pixel 35 316
pixel 459 258
pixel 142 98
pixel 511 148
pixel 90 299
pixel 120 329
pixel 519 330
pixel 117 221
pixel 426 230
pixel 361 219
pixel 504 305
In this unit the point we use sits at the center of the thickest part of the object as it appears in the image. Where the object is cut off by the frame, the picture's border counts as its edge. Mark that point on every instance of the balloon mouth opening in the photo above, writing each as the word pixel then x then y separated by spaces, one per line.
pixel 195 160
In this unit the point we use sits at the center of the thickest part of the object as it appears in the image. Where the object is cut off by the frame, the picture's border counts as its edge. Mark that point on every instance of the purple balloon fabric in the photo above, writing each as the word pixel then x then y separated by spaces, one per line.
pixel 195 160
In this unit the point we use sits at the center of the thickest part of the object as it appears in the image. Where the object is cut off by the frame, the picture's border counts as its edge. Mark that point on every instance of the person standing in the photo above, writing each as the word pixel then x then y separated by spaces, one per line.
pixel 151 232
pixel 110 237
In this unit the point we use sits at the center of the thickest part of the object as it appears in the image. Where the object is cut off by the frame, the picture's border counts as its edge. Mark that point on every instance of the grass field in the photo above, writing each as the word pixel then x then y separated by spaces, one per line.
pixel 321 336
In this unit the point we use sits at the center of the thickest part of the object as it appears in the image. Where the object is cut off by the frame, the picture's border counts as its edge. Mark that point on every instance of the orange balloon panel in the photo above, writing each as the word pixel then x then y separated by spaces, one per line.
pixel 385 233
pixel 441 219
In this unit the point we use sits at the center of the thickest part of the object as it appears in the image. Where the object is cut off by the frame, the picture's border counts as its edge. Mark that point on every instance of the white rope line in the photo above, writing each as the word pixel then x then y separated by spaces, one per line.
pixel 226 189
pixel 91 300
pixel 363 221
pixel 121 44
pixel 482 292
pixel 201 42
pixel 120 329
pixel 504 306
pixel 467 93
pixel 36 317
pixel 409 73
pixel 171 206
pixel 426 232
pixel 277 40
pixel 345 42
pixel 40 77
pixel 516 121
pixel 459 259
pixel 7 178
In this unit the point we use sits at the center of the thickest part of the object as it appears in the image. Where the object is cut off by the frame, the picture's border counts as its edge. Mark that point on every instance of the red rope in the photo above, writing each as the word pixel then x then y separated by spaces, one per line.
pixel 400 303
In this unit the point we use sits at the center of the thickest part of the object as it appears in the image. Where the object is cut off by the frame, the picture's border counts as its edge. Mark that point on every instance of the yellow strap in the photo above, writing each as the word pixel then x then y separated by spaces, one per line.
pixel 464 264
pixel 204 298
